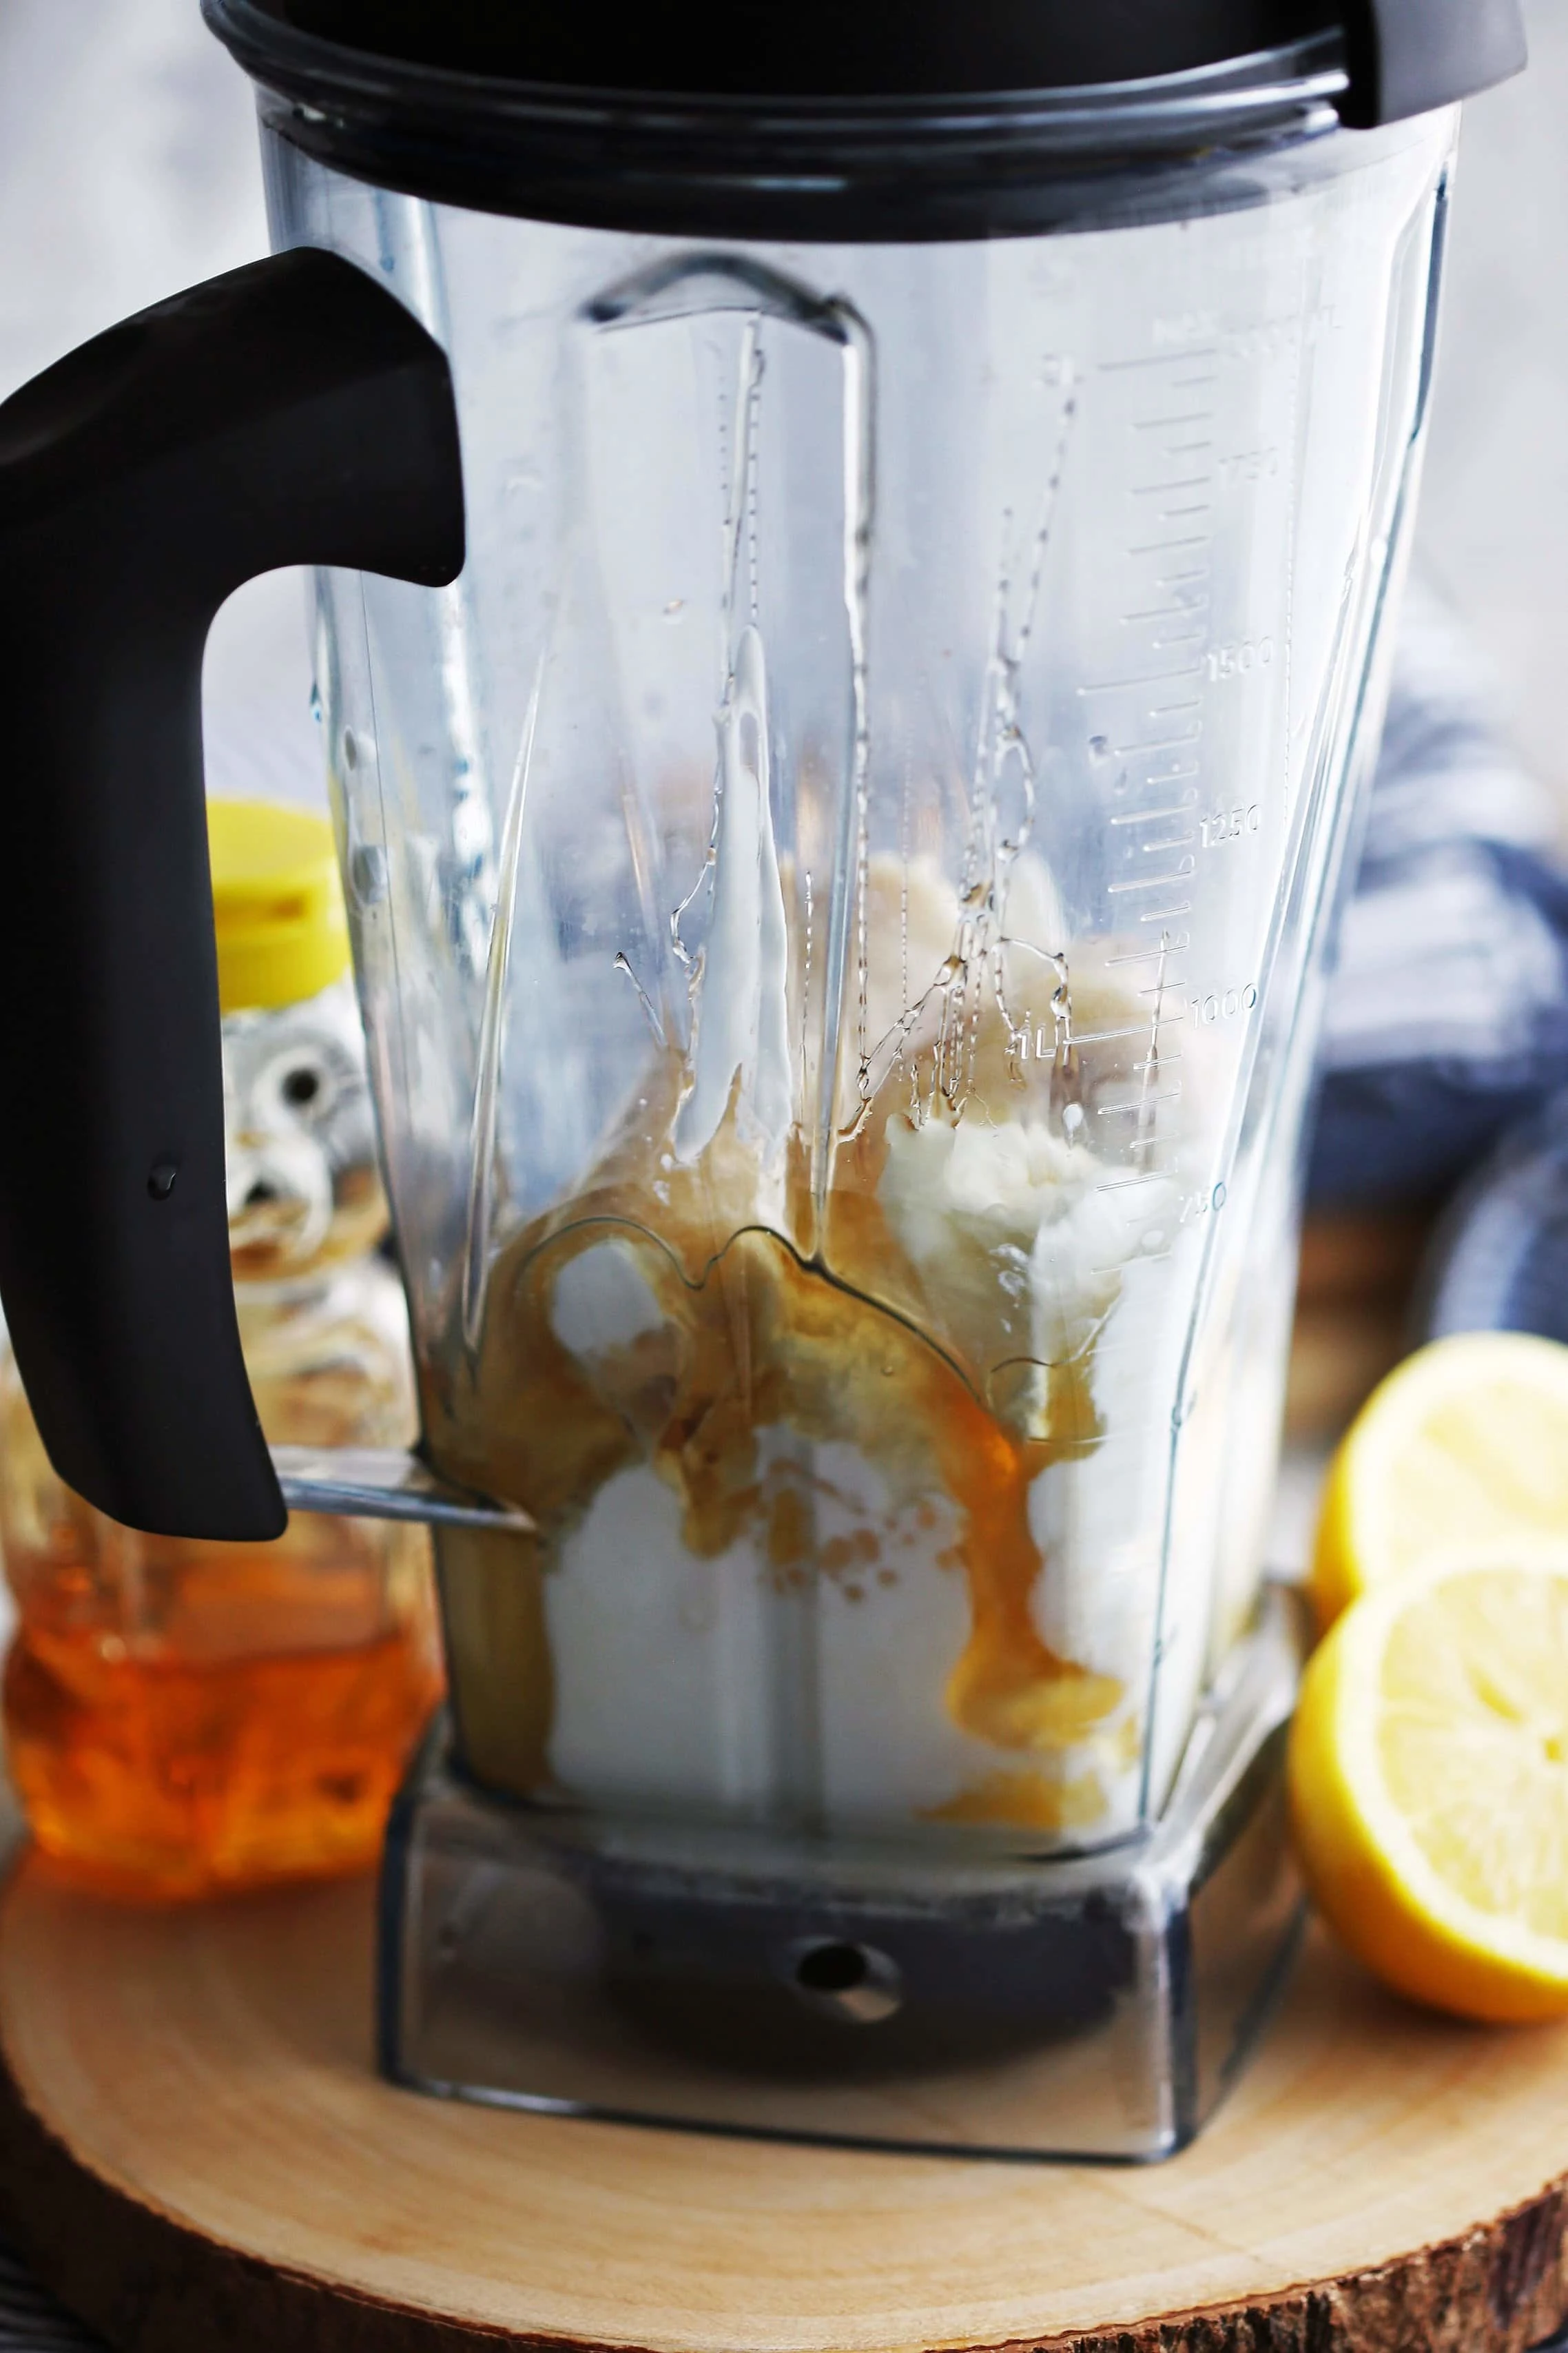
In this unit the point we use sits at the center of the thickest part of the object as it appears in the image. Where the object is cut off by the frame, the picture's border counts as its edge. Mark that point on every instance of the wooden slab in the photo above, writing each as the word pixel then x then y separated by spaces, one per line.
pixel 195 2151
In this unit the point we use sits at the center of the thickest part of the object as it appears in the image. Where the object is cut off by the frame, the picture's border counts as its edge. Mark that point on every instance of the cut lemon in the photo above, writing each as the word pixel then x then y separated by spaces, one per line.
pixel 1465 1443
pixel 1429 1781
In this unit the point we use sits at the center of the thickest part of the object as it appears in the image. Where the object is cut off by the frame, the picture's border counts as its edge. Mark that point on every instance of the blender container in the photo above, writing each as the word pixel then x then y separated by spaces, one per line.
pixel 839 860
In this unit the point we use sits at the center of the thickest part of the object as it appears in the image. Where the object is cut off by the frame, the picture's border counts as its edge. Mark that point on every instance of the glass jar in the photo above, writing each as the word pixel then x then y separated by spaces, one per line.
pixel 185 1715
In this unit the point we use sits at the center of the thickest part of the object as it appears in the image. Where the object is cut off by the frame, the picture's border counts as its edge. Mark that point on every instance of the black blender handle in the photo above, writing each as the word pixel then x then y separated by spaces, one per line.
pixel 289 413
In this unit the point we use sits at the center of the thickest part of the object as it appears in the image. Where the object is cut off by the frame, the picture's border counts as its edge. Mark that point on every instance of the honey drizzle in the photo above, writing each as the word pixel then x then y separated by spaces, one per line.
pixel 753 1335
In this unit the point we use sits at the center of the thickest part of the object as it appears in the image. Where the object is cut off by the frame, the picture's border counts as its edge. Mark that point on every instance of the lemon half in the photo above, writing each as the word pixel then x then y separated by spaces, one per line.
pixel 1465 1444
pixel 1428 1775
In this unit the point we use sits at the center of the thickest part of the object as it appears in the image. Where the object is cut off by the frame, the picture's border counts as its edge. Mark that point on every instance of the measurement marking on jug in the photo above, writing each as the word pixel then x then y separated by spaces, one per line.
pixel 1127 1183
pixel 1164 915
pixel 1164 612
pixel 1157 424
pixel 1162 359
pixel 1224 1004
pixel 1162 489
pixel 1170 546
pixel 1160 775
pixel 1160 744
pixel 1153 817
pixel 1140 1102
pixel 1165 773
pixel 1231 824
pixel 1250 466
pixel 1138 1030
pixel 1236 658
pixel 1176 946
pixel 1152 881
pixel 1150 678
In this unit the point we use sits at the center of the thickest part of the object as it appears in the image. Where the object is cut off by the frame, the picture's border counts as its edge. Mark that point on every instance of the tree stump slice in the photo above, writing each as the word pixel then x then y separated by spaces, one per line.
pixel 196 2154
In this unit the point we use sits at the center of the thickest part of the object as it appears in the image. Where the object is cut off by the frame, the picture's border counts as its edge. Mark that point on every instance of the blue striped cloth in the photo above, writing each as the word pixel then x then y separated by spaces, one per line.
pixel 1448 1007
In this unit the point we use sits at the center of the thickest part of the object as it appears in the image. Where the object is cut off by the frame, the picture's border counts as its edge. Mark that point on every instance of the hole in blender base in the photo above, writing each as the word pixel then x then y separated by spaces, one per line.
pixel 853 1982
pixel 833 1969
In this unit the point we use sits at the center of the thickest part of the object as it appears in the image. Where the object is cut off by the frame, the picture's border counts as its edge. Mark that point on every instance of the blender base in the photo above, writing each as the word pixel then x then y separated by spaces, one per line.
pixel 1085 2007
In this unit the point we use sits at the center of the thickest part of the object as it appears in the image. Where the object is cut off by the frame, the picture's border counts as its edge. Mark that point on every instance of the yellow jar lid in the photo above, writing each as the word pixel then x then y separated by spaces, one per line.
pixel 278 904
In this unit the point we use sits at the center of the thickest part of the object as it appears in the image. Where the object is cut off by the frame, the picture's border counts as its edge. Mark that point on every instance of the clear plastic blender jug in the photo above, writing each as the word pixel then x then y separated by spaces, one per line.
pixel 839 886
pixel 898 699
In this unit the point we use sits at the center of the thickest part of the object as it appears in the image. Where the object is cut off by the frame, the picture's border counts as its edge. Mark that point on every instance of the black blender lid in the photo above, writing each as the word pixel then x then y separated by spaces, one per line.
pixel 1403 57
pixel 800 47
pixel 827 117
